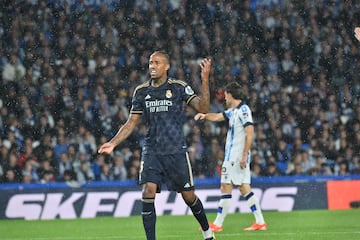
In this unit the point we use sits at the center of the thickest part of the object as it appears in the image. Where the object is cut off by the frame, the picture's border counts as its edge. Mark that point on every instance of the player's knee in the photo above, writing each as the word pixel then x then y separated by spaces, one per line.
pixel 149 190
pixel 245 189
pixel 189 197
pixel 226 188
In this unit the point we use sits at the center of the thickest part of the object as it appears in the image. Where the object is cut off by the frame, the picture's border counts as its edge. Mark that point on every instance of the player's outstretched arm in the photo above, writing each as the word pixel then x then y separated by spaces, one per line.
pixel 357 33
pixel 202 103
pixel 123 133
pixel 213 117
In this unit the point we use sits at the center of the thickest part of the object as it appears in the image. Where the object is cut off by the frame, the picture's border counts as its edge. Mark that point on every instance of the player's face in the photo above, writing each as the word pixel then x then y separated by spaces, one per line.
pixel 228 99
pixel 158 66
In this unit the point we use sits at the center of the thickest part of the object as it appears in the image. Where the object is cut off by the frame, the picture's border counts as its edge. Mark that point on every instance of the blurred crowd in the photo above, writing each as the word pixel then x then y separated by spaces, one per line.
pixel 68 71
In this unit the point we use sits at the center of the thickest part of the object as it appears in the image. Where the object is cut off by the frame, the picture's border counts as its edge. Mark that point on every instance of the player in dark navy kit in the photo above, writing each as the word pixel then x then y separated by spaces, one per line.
pixel 164 155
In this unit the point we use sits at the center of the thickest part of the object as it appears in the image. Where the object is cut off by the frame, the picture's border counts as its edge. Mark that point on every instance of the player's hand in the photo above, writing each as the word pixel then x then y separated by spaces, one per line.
pixel 357 33
pixel 243 164
pixel 199 116
pixel 107 147
pixel 205 68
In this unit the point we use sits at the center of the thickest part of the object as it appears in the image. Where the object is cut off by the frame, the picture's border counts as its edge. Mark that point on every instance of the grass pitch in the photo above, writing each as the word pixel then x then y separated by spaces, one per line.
pixel 296 225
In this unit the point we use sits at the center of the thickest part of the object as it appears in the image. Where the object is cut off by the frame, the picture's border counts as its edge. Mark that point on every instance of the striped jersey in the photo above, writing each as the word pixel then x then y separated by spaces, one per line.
pixel 238 118
pixel 162 108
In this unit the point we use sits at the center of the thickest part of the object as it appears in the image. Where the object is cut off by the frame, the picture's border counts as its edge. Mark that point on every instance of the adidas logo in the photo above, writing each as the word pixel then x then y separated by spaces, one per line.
pixel 147 97
pixel 187 185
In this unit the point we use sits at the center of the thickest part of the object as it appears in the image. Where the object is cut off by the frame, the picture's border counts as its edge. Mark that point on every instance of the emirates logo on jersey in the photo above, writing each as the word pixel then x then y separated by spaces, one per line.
pixel 168 94
pixel 158 105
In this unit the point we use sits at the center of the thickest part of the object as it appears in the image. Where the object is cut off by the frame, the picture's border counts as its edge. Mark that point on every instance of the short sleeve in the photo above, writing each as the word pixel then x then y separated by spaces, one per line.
pixel 245 115
pixel 227 113
pixel 137 105
pixel 188 94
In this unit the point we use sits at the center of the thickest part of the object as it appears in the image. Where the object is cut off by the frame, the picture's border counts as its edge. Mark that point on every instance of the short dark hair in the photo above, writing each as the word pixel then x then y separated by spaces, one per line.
pixel 162 53
pixel 236 90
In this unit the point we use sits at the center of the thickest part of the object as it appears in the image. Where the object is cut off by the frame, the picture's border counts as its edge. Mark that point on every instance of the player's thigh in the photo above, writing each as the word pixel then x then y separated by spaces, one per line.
pixel 226 172
pixel 234 174
pixel 150 170
pixel 178 172
pixel 245 188
pixel 226 188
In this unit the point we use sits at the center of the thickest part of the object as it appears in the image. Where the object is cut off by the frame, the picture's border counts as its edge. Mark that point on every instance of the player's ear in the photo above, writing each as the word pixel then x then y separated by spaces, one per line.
pixel 167 67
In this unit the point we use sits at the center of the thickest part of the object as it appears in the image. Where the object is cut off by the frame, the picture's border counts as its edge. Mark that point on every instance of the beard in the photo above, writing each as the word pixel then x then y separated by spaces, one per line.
pixel 227 104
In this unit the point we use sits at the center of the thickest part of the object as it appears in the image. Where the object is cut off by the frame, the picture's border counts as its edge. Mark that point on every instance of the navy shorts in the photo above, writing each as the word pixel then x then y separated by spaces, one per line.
pixel 174 170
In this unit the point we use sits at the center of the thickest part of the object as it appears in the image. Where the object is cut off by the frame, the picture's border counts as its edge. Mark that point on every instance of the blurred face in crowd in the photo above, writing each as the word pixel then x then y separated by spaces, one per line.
pixel 158 66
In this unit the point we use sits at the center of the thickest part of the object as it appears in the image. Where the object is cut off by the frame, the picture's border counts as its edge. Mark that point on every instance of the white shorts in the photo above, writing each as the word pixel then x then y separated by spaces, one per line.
pixel 231 173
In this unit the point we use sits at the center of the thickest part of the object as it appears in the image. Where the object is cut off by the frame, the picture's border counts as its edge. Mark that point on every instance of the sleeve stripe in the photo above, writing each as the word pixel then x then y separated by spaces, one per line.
pixel 191 98
pixel 146 84
pixel 136 112
pixel 171 81
pixel 248 124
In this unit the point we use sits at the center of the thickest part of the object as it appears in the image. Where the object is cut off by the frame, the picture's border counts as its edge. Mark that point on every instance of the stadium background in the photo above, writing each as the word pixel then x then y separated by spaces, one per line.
pixel 69 69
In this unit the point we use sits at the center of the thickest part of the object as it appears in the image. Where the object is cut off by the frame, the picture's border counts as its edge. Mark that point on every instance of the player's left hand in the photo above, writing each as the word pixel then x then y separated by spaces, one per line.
pixel 107 148
pixel 243 164
pixel 205 68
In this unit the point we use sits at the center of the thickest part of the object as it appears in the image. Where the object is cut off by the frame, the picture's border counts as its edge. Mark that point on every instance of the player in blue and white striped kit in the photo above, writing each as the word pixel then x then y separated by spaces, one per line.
pixel 160 103
pixel 236 165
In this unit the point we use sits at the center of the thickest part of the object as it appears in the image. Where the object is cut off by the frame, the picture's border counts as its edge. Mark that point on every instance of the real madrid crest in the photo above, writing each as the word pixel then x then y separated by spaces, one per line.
pixel 168 94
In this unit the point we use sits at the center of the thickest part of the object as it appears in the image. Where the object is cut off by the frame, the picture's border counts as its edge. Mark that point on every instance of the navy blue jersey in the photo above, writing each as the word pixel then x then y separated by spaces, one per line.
pixel 162 108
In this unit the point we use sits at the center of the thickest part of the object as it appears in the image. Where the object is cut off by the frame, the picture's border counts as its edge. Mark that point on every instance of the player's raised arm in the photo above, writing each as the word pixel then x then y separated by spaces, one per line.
pixel 202 103
pixel 123 133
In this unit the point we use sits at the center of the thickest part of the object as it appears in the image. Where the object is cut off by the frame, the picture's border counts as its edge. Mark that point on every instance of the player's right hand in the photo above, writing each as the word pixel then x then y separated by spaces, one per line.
pixel 107 147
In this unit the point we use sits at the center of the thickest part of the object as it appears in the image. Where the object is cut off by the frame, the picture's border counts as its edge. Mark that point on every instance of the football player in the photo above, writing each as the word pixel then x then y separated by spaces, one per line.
pixel 236 165
pixel 164 155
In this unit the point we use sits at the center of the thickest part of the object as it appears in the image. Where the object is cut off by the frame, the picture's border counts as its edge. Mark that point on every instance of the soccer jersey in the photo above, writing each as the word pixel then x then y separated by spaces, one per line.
pixel 238 118
pixel 162 108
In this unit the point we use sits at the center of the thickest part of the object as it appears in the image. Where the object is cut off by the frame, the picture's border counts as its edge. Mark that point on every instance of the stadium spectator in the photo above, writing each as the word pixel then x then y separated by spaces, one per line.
pixel 10 176
pixel 45 166
pixel 97 165
pixel 106 173
pixel 85 173
pixel 118 168
pixel 271 169
pixel 29 172
pixel 47 176
pixel 13 70
pixel 296 170
pixel 62 143
pixel 65 165
pixel 12 171
pixel 283 155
